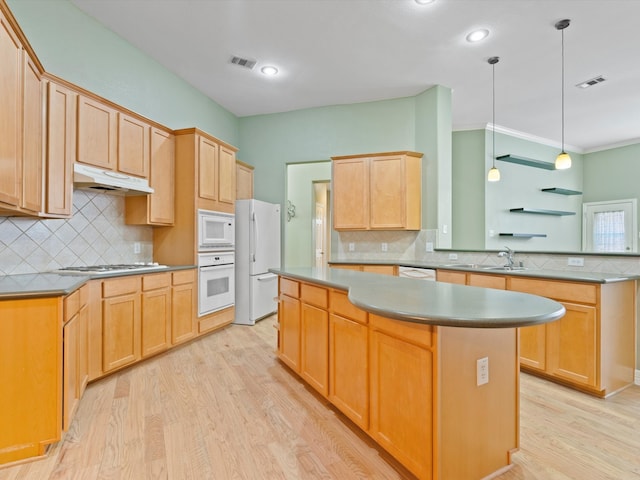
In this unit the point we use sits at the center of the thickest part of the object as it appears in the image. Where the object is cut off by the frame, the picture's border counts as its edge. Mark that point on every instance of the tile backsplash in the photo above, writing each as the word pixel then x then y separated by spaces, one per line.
pixel 95 234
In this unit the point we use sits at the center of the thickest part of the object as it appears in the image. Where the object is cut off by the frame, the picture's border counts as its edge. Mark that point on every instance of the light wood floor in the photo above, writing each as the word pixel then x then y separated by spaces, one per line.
pixel 224 408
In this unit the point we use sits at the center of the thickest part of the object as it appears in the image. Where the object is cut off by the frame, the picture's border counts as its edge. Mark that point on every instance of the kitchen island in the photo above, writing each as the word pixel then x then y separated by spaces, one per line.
pixel 428 370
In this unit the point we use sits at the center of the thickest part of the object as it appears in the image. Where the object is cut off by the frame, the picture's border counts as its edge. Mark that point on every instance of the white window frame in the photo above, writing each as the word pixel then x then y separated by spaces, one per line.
pixel 624 204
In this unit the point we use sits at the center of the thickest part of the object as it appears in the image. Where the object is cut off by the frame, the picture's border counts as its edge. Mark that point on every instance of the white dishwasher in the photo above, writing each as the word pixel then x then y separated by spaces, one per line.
pixel 417 273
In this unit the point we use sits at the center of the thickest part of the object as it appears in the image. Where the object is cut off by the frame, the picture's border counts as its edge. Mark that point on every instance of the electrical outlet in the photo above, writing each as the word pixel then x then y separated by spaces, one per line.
pixel 575 261
pixel 136 247
pixel 384 246
pixel 453 256
pixel 482 371
pixel 352 246
pixel 428 247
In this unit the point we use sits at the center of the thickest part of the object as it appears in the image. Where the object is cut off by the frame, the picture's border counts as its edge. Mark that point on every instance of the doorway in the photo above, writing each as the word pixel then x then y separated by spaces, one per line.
pixel 321 223
pixel 610 226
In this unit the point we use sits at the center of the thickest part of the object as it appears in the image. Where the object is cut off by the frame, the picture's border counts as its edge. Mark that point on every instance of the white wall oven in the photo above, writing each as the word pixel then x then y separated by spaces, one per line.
pixel 216 231
pixel 216 282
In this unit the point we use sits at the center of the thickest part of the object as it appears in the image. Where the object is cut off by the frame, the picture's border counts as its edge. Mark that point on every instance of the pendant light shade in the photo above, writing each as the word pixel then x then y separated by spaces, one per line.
pixel 494 173
pixel 563 160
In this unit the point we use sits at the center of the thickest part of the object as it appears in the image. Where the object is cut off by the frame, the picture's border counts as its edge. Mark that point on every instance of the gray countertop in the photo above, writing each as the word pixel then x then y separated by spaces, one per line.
pixel 570 275
pixel 432 303
pixel 36 285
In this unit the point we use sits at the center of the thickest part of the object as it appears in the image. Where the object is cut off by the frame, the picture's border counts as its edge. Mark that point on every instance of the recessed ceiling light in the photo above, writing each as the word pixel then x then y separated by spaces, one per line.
pixel 478 35
pixel 424 2
pixel 269 70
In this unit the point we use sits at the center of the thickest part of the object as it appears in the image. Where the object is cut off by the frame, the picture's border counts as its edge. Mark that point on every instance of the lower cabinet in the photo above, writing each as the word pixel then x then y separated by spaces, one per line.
pixel 183 301
pixel 156 314
pixel 314 337
pixel 289 323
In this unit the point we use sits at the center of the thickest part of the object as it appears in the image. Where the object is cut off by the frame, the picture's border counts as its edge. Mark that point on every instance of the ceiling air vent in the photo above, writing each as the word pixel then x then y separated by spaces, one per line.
pixel 591 82
pixel 243 62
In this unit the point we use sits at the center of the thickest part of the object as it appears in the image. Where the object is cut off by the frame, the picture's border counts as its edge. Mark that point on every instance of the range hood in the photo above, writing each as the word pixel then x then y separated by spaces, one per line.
pixel 95 179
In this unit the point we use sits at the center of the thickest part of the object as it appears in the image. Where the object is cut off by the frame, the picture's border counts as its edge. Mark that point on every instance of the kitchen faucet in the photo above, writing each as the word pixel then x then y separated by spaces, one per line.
pixel 509 254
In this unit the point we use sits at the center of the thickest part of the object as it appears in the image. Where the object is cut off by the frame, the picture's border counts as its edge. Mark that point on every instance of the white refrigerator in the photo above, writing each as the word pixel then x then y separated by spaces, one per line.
pixel 257 250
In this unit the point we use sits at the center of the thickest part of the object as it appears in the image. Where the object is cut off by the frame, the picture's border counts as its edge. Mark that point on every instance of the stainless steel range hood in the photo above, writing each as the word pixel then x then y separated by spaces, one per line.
pixel 95 179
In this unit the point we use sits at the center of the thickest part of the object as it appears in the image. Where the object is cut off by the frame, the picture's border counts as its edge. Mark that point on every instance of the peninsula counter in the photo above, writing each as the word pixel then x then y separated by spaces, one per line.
pixel 428 370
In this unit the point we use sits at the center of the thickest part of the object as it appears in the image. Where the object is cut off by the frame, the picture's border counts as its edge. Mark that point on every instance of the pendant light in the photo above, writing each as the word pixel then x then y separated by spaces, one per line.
pixel 494 173
pixel 563 160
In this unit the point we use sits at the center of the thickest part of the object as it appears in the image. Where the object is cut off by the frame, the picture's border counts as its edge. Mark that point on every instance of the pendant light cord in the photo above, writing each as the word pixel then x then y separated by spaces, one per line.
pixel 493 95
pixel 562 89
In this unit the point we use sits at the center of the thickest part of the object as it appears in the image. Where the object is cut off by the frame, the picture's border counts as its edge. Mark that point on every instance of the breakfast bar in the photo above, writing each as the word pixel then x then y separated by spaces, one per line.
pixel 428 370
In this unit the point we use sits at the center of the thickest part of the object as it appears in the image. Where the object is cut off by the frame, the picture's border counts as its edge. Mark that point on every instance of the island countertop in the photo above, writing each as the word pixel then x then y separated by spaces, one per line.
pixel 432 303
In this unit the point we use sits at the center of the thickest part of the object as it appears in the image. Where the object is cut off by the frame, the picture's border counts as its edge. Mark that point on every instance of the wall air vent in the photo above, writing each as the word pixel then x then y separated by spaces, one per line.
pixel 591 82
pixel 243 62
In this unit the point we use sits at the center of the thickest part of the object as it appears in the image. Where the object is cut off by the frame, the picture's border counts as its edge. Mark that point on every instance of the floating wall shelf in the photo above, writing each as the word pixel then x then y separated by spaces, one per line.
pixel 541 212
pixel 561 191
pixel 529 162
pixel 523 235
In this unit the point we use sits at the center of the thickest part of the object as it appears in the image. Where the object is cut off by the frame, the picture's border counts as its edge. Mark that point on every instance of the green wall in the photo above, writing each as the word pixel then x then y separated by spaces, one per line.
pixel 77 48
pixel 612 174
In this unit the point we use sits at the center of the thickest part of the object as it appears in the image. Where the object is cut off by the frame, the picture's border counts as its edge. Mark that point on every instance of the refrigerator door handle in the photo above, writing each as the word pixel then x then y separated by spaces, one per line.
pixel 255 237
pixel 269 276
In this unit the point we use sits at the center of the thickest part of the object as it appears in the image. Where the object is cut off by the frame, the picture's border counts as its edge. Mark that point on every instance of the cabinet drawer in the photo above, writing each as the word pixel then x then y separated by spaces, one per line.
pixel 567 291
pixel 290 288
pixel 183 276
pixel 487 281
pixel 71 305
pixel 416 333
pixel 120 286
pixel 341 305
pixel 448 276
pixel 314 295
pixel 153 282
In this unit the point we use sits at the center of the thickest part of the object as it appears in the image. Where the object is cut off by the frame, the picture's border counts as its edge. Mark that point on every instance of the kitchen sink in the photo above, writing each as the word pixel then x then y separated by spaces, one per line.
pixel 502 268
pixel 463 265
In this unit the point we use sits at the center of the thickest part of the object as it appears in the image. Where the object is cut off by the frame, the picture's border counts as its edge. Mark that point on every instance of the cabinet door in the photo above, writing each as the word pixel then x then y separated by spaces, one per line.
pixel 133 146
pixel 156 321
pixel 497 282
pixel 449 276
pixel 70 371
pixel 97 134
pixel 289 333
pixel 83 347
pixel 314 335
pixel 161 207
pixel 244 181
pixel 183 325
pixel 120 331
pixel 533 346
pixel 10 115
pixel 572 345
pixel 401 401
pixel 61 149
pixel 351 194
pixel 207 169
pixel 31 137
pixel 387 192
pixel 348 367
pixel 382 269
pixel 226 175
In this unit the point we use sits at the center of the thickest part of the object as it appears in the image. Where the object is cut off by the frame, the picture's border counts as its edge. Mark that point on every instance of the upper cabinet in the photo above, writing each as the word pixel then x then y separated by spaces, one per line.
pixel 20 124
pixel 244 181
pixel 60 150
pixel 379 191
pixel 97 133
pixel 133 146
pixel 158 207
pixel 214 164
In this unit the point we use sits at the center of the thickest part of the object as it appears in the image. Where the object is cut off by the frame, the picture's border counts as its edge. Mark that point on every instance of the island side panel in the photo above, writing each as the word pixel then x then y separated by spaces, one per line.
pixel 478 424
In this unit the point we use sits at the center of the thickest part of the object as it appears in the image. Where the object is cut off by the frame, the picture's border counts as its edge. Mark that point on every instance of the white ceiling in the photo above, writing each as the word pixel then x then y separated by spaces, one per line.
pixel 348 51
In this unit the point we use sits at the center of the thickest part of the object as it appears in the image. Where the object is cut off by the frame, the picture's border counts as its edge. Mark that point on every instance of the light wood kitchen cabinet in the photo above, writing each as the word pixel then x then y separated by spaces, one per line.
pixel 592 347
pixel 289 323
pixel 349 359
pixel 377 191
pixel 244 181
pixel 184 296
pixel 314 337
pixel 121 343
pixel 75 367
pixel 157 208
pixel 451 276
pixel 133 145
pixel 60 149
pixel 401 366
pixel 369 268
pixel 31 375
pixel 212 164
pixel 497 282
pixel 97 133
pixel 156 313
pixel 20 125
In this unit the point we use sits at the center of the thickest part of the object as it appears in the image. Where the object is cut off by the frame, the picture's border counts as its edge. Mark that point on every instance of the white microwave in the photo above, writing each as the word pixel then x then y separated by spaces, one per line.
pixel 216 231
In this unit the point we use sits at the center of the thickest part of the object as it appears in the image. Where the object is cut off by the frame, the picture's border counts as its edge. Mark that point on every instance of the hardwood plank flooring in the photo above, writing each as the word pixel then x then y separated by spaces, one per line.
pixel 222 407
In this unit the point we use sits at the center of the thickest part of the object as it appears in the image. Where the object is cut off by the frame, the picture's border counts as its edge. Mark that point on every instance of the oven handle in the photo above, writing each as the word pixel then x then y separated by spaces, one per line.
pixel 215 267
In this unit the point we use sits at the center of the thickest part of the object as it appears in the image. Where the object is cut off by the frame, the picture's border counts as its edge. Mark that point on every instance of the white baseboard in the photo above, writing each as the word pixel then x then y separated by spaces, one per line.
pixel 637 380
